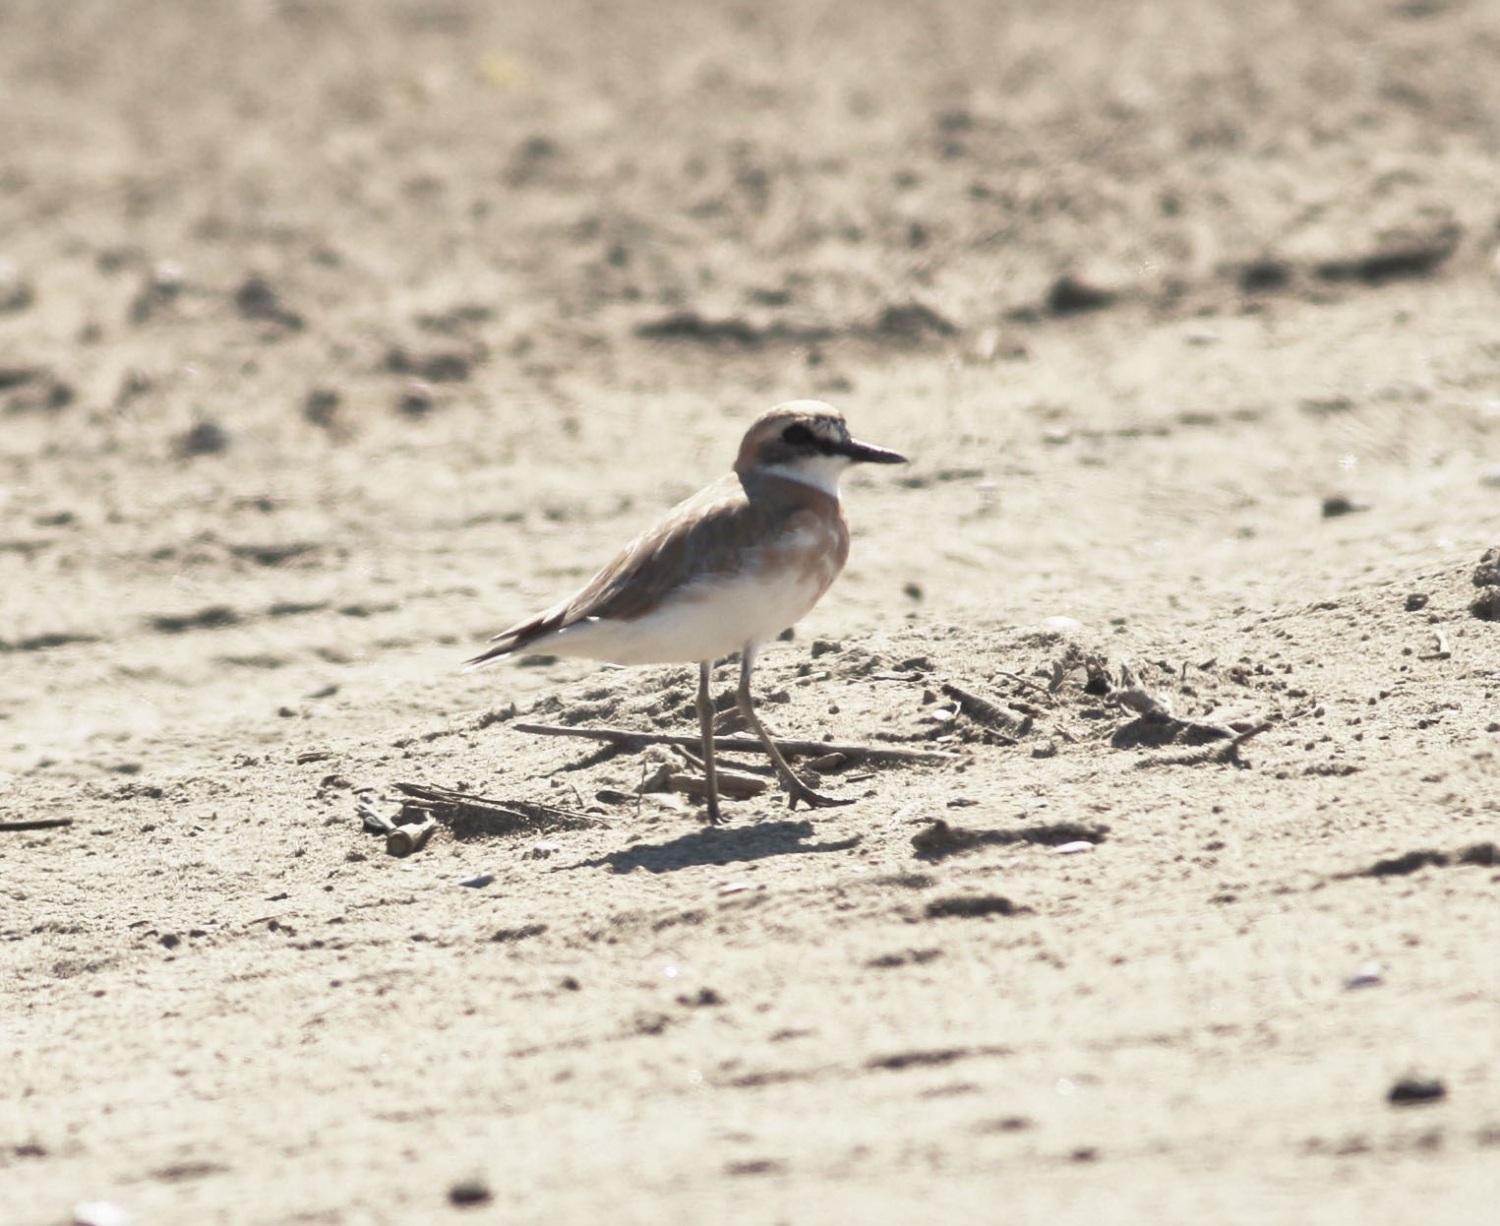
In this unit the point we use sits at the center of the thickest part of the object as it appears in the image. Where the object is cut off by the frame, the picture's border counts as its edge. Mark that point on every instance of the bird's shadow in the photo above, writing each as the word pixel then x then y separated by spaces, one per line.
pixel 717 845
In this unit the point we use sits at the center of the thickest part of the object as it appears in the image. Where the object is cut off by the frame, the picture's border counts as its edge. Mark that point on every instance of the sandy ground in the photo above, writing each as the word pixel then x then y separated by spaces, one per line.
pixel 336 336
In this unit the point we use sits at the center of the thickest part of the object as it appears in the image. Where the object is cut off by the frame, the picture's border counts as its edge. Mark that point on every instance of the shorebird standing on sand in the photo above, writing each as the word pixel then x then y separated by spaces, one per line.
pixel 725 571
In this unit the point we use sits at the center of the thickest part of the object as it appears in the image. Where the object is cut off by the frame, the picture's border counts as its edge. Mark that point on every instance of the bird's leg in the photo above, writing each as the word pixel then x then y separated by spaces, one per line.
pixel 706 727
pixel 796 790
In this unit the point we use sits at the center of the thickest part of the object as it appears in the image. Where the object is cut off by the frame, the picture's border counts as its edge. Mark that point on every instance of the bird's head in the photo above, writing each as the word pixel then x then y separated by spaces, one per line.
pixel 807 441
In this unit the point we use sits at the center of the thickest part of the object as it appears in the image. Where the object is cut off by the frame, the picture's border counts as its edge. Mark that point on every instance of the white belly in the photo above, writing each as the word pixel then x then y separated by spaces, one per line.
pixel 704 621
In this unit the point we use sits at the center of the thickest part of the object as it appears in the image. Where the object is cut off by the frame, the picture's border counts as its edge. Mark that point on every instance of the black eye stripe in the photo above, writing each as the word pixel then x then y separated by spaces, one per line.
pixel 798 435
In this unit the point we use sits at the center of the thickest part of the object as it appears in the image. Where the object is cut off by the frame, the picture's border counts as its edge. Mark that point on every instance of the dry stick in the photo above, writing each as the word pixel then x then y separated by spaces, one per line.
pixel 36 823
pixel 1227 752
pixel 1026 682
pixel 627 736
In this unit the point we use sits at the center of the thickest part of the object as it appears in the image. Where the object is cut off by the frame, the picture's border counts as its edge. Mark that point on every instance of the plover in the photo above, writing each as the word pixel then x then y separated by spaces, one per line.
pixel 725 571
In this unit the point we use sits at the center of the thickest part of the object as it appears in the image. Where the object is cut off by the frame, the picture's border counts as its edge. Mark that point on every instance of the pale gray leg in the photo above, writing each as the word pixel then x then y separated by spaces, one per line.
pixel 706 727
pixel 796 790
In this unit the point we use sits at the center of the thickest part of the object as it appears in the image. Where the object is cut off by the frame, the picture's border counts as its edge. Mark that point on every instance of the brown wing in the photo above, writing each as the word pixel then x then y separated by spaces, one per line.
pixel 718 521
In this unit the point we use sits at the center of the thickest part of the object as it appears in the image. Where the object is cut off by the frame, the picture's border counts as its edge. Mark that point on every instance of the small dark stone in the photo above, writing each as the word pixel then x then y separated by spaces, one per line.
pixel 202 438
pixel 1263 276
pixel 1486 606
pixel 1340 504
pixel 971 907
pixel 1414 1090
pixel 470 1192
pixel 170 940
pixel 416 400
pixel 1487 573
pixel 258 299
pixel 1071 296
pixel 1485 855
pixel 506 935
pixel 1415 601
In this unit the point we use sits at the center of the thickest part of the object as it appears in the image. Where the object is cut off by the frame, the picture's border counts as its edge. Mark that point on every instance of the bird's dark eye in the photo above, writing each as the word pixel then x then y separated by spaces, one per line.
pixel 797 435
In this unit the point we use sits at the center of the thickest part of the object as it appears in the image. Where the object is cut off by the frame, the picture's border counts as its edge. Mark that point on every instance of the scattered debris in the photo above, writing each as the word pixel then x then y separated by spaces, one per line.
pixel 632 739
pixel 473 817
pixel 213 617
pixel 31 389
pixel 911 322
pixel 1486 606
pixel 1403 256
pixel 35 823
pixel 991 715
pixel 691 325
pixel 1487 573
pixel 1486 577
pixel 410 837
pixel 505 936
pixel 439 366
pixel 972 906
pixel 940 840
pixel 1480 855
pixel 1443 652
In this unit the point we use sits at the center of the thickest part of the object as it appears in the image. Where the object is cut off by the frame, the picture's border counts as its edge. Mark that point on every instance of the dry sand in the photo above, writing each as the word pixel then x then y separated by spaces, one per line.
pixel 336 336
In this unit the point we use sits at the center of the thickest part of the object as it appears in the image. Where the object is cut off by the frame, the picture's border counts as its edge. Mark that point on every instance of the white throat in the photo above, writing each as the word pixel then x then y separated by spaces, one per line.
pixel 822 472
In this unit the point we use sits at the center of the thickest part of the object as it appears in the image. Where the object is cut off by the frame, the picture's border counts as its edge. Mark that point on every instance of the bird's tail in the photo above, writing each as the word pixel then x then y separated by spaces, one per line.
pixel 497 652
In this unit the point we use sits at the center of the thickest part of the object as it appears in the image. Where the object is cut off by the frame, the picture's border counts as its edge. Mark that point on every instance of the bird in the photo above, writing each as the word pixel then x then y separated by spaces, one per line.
pixel 725 571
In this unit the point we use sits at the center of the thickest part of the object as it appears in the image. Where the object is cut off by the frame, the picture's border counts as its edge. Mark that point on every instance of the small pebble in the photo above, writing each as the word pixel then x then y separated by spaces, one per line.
pixel 204 437
pixel 1075 848
pixel 1340 504
pixel 544 848
pixel 470 1192
pixel 1415 1090
pixel 1369 976
pixel 479 882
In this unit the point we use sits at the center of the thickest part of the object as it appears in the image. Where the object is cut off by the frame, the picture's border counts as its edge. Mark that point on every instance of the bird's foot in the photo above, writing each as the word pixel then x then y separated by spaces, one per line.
pixel 796 791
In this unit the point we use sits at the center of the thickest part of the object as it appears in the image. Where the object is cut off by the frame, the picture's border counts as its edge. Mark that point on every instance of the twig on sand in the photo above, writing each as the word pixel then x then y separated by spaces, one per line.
pixel 985 712
pixel 1443 652
pixel 627 736
pixel 1228 752
pixel 470 816
pixel 36 823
